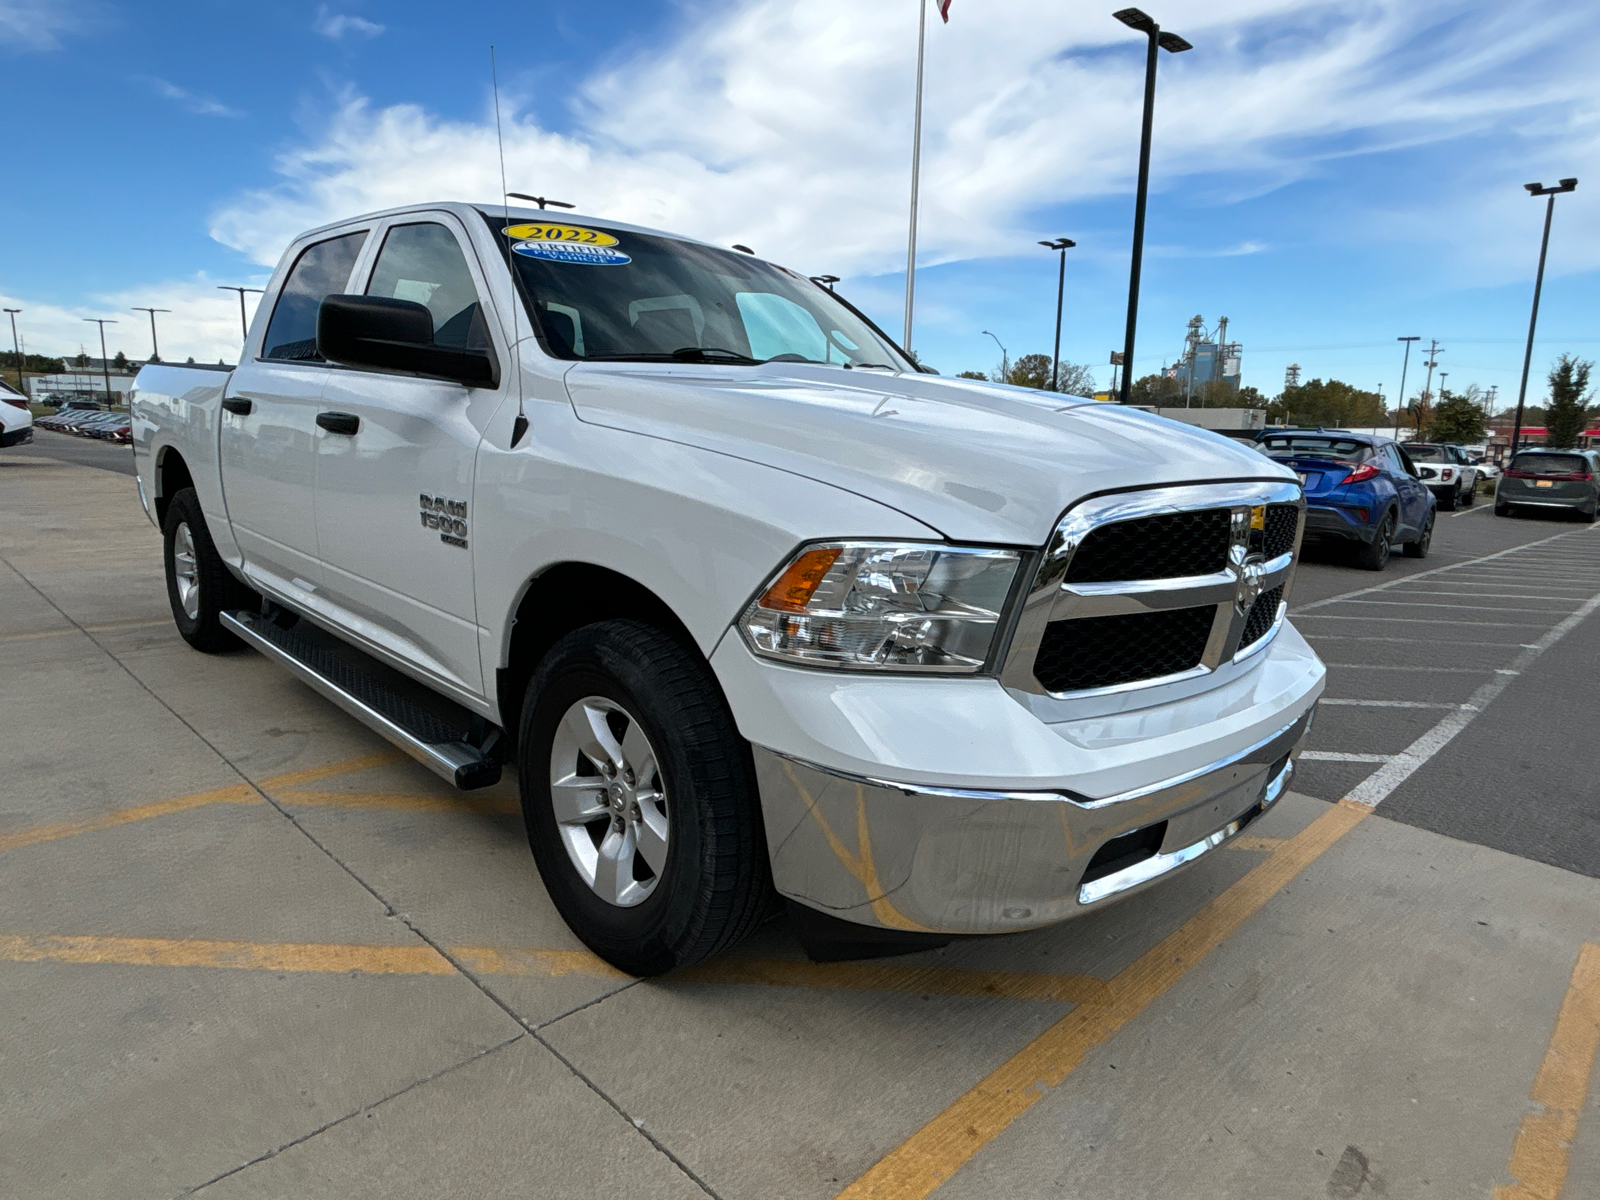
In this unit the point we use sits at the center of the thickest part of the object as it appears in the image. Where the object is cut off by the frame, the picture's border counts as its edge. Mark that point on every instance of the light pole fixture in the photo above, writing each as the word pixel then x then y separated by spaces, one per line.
pixel 1400 400
pixel 1133 18
pixel 1444 393
pixel 1537 189
pixel 155 350
pixel 1063 245
pixel 17 345
pixel 826 281
pixel 541 201
pixel 244 328
pixel 105 365
pixel 1005 359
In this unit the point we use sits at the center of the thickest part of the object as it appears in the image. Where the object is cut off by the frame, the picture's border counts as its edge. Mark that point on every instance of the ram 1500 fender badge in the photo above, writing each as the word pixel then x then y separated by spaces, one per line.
pixel 449 517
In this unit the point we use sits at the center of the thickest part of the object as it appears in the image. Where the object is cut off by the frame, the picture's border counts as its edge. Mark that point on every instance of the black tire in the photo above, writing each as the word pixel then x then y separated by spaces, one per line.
pixel 1375 555
pixel 1501 509
pixel 1471 497
pixel 1420 547
pixel 715 886
pixel 215 590
pixel 1449 503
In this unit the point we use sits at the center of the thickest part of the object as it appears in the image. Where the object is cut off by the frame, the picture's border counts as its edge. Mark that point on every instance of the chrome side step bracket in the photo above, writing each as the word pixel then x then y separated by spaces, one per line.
pixel 446 744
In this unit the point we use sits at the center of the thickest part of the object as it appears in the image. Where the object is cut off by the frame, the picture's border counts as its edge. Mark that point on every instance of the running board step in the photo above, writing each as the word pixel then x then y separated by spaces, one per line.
pixel 450 741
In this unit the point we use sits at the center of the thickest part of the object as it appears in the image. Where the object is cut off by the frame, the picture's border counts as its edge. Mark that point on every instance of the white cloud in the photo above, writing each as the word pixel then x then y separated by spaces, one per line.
pixel 204 106
pixel 336 25
pixel 204 322
pixel 786 126
pixel 39 24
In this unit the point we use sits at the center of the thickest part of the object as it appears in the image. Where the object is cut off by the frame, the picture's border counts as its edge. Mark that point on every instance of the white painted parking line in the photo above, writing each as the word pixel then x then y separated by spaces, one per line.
pixel 1394 667
pixel 1350 637
pixel 1457 607
pixel 1378 786
pixel 1419 620
pixel 1391 703
pixel 1471 562
pixel 1473 511
pixel 1340 756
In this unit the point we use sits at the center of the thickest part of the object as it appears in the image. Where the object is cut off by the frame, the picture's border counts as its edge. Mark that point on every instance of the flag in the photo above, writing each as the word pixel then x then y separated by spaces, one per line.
pixel 944 11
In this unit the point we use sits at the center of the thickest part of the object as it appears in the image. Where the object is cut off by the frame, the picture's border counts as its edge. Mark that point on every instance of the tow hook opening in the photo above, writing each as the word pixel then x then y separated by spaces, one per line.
pixel 1122 852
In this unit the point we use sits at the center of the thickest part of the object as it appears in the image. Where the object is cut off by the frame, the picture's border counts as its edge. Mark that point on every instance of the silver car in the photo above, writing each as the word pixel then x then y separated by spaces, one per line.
pixel 1551 479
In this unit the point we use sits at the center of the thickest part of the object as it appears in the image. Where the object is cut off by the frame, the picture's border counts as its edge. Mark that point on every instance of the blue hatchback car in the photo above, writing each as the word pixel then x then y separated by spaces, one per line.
pixel 1360 489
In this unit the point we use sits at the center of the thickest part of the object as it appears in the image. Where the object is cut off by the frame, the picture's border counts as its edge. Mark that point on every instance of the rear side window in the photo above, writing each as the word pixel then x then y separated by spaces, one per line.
pixel 423 263
pixel 323 269
pixel 1430 454
pixel 1551 464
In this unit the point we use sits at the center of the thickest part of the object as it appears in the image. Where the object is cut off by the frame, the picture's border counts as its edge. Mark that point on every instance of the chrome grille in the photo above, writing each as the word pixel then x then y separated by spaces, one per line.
pixel 1143 587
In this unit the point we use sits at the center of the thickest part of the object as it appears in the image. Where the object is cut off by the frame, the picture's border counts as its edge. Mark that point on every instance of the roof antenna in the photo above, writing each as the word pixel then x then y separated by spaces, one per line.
pixel 520 425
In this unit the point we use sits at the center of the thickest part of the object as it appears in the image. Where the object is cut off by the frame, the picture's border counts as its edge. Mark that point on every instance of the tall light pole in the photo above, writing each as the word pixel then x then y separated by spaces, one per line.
pixel 155 350
pixel 105 364
pixel 244 328
pixel 1172 44
pixel 1063 245
pixel 1005 359
pixel 1400 400
pixel 1537 189
pixel 17 344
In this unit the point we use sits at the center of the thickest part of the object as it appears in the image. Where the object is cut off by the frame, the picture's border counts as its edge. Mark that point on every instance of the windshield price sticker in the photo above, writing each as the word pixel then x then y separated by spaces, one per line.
pixel 566 244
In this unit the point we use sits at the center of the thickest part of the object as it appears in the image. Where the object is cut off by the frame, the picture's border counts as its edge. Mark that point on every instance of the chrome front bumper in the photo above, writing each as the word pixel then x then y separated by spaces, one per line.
pixel 958 861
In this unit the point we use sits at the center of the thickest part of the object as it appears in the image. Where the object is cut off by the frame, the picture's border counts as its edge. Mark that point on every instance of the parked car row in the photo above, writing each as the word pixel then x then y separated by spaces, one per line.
pixel 1568 479
pixel 90 422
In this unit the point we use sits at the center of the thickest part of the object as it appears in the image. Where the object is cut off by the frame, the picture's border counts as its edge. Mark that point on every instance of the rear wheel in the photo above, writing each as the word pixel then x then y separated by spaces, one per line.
pixel 1501 509
pixel 1420 547
pixel 1448 502
pixel 1471 497
pixel 1375 556
pixel 199 585
pixel 640 799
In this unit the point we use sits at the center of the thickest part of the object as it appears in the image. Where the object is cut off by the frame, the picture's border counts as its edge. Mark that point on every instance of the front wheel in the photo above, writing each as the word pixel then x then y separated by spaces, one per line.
pixel 1448 503
pixel 640 799
pixel 1420 547
pixel 1375 556
pixel 199 585
pixel 1471 497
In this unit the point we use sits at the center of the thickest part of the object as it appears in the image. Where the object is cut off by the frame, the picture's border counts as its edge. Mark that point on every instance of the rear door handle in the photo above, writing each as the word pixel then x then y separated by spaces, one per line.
pixel 338 422
pixel 242 408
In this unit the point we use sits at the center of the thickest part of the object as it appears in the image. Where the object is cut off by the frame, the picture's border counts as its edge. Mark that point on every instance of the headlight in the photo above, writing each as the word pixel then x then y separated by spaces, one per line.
pixel 884 606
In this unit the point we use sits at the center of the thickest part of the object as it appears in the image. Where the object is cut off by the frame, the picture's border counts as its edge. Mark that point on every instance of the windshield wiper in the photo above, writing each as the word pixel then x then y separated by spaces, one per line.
pixel 682 354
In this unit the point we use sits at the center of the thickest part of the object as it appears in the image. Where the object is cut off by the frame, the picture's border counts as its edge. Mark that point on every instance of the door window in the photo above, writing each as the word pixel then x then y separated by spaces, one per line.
pixel 323 269
pixel 423 263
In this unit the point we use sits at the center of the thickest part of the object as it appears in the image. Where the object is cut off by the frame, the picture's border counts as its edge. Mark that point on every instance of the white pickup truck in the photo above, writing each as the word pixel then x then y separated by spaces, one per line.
pixel 755 607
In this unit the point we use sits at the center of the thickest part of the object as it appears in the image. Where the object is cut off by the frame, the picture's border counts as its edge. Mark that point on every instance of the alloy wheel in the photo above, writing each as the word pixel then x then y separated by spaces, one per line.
pixel 609 801
pixel 185 572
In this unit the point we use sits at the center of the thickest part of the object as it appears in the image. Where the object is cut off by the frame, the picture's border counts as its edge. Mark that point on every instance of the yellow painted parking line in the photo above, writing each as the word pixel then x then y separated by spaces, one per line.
pixel 935 1152
pixel 114 627
pixel 239 793
pixel 1543 1146
pixel 1256 843
pixel 199 952
pixel 404 801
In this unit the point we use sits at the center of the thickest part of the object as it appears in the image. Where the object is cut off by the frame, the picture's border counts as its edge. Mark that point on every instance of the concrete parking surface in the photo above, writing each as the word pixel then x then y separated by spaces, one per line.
pixel 247 950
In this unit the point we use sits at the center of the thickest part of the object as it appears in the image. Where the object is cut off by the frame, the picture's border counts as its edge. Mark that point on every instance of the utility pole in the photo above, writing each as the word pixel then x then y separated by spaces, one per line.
pixel 1537 189
pixel 1063 245
pixel 155 350
pixel 1400 400
pixel 1434 351
pixel 17 344
pixel 105 364
pixel 244 328
pixel 1172 44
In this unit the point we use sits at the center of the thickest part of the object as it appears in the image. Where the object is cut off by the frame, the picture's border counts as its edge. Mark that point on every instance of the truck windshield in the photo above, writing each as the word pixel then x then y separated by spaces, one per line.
pixel 603 294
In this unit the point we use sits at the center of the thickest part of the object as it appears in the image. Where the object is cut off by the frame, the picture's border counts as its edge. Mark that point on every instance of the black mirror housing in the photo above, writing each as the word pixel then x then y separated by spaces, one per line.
pixel 396 335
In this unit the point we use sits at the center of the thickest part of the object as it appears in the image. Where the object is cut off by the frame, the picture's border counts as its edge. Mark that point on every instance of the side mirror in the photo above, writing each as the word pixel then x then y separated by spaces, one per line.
pixel 396 335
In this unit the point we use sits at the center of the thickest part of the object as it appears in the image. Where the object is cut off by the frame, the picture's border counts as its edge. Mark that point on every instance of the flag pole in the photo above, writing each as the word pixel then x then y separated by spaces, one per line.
pixel 916 166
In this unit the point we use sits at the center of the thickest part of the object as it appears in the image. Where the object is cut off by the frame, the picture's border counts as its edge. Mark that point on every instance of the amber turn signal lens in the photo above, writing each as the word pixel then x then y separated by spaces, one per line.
pixel 1258 516
pixel 792 591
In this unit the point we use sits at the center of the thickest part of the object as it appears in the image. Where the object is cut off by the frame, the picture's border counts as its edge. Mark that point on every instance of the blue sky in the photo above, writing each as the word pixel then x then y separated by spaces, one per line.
pixel 1328 176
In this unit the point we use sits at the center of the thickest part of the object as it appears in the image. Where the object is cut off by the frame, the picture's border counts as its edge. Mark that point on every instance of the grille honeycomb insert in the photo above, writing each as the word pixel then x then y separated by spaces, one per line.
pixel 1093 652
pixel 1278 536
pixel 1262 614
pixel 1168 546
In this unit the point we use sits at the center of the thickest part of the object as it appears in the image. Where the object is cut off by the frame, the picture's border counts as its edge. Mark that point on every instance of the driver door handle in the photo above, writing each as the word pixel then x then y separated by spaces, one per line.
pixel 239 406
pixel 338 422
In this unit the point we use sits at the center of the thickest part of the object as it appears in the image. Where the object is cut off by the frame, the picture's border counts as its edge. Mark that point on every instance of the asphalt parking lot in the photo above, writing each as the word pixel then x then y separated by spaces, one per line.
pixel 247 950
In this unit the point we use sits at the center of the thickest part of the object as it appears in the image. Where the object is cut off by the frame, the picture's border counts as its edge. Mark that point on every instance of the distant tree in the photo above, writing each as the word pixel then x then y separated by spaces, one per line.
pixel 1456 418
pixel 190 358
pixel 1567 413
pixel 38 364
pixel 1159 391
pixel 971 375
pixel 1333 402
pixel 1033 371
pixel 1248 397
pixel 120 362
pixel 1075 379
pixel 81 360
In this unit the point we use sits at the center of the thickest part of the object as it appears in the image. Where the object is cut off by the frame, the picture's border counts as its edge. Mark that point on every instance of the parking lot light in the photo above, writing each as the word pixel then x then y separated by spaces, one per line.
pixel 105 365
pixel 1537 189
pixel 1134 18
pixel 1063 245
pixel 17 344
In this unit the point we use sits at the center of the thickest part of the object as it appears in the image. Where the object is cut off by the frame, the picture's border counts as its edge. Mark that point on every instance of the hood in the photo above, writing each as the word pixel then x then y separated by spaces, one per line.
pixel 977 461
